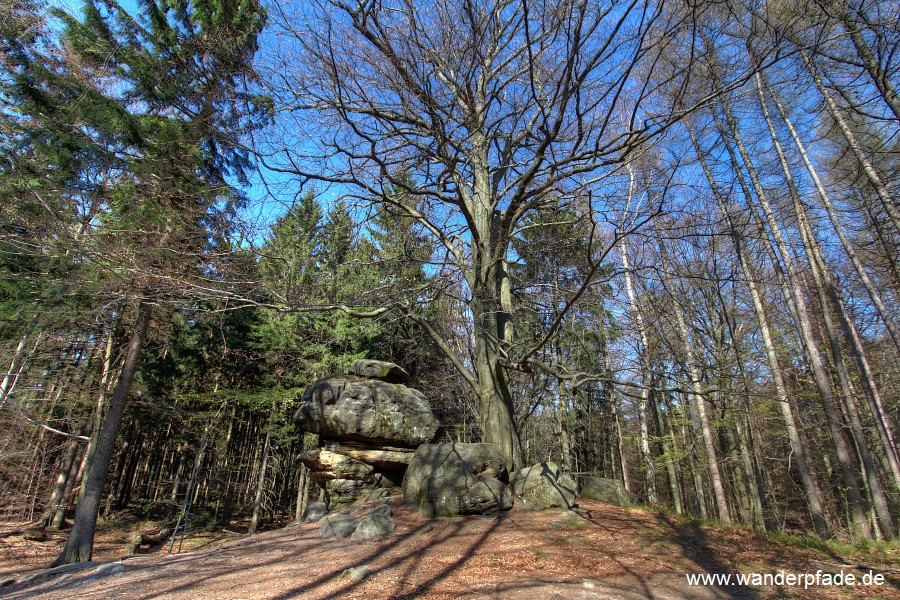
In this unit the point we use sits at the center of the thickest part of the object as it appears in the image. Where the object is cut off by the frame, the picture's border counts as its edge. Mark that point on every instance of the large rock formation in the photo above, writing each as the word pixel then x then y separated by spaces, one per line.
pixel 457 479
pixel 369 424
pixel 370 411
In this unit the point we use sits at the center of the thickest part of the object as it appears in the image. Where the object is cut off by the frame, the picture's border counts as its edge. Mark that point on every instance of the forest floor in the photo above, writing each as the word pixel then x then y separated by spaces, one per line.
pixel 605 552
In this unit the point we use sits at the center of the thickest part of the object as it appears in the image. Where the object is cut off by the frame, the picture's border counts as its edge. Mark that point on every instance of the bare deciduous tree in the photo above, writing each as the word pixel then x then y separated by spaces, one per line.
pixel 480 112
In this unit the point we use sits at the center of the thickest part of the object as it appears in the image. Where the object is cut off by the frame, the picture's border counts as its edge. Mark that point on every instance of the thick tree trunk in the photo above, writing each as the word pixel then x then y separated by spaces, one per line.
pixel 496 408
pixel 80 544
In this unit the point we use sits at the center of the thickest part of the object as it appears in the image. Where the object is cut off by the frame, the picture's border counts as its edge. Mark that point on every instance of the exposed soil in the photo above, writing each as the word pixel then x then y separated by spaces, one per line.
pixel 604 552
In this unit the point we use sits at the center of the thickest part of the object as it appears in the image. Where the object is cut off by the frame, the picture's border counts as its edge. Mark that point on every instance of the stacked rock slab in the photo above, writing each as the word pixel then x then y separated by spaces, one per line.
pixel 369 425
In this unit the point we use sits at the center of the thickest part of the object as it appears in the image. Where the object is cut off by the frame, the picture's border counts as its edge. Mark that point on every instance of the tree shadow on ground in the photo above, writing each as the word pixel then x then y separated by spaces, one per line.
pixel 694 543
pixel 409 563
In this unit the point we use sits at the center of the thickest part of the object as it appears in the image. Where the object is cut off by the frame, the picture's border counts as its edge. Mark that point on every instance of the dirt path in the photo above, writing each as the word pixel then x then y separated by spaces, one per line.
pixel 603 552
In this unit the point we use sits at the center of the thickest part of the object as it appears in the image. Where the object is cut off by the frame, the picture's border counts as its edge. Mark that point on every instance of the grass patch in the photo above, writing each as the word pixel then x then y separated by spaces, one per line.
pixel 886 554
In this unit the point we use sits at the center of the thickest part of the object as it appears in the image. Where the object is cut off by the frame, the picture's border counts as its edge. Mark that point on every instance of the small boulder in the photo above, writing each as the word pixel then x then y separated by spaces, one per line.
pixel 338 525
pixel 611 491
pixel 314 512
pixel 543 485
pixel 383 458
pixel 358 573
pixel 455 479
pixel 343 492
pixel 373 525
pixel 379 369
pixel 115 568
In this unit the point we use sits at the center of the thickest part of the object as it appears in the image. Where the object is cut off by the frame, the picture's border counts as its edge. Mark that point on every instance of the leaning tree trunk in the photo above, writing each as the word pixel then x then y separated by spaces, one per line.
pixel 80 544
pixel 868 169
pixel 100 406
pixel 827 291
pixel 858 520
pixel 813 492
pixel 867 58
pixel 880 415
pixel 886 315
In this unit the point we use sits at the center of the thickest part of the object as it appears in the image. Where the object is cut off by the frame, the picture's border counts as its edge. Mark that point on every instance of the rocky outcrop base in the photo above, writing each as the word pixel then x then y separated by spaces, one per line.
pixel 369 425
pixel 457 479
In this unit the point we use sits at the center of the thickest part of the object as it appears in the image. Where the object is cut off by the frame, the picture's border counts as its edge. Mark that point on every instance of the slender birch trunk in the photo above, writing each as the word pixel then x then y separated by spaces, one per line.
pixel 886 315
pixel 697 397
pixel 646 376
pixel 811 487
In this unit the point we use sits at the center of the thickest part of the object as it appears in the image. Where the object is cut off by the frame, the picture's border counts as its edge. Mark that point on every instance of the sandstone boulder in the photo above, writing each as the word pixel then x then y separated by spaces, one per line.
pixel 543 485
pixel 338 525
pixel 379 369
pixel 326 464
pixel 456 479
pixel 611 491
pixel 370 411
pixel 376 523
pixel 314 512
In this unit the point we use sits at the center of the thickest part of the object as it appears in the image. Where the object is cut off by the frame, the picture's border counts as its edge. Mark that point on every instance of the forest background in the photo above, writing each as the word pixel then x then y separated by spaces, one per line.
pixel 648 241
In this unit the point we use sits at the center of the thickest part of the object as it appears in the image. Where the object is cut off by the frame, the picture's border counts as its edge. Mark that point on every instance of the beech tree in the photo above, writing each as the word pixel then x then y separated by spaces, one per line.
pixel 481 112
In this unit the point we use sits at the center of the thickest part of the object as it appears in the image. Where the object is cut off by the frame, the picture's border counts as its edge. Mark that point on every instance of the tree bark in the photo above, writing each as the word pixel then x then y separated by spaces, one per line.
pixel 858 521
pixel 876 405
pixel 646 376
pixel 260 486
pixel 99 407
pixel 828 295
pixel 868 168
pixel 80 544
